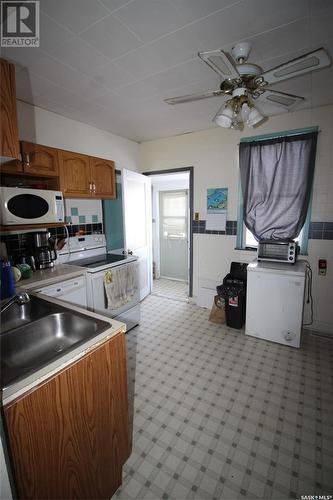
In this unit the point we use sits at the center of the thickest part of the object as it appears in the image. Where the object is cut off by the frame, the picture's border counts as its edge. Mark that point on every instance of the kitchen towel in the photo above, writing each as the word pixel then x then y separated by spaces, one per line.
pixel 120 284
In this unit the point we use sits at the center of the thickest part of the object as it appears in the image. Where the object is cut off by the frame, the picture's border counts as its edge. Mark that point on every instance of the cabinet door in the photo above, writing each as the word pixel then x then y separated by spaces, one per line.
pixel 9 141
pixel 40 160
pixel 69 437
pixel 103 178
pixel 75 179
pixel 13 166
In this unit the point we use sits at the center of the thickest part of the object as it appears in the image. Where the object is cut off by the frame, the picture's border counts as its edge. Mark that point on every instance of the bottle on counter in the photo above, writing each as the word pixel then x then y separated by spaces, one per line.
pixel 7 288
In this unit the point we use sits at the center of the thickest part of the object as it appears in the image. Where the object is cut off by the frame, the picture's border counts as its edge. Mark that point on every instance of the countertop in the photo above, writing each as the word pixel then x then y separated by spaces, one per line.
pixel 45 277
pixel 19 388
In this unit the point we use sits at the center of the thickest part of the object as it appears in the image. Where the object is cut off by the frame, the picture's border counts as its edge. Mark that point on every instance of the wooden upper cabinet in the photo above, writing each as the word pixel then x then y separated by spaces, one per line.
pixel 9 140
pixel 75 177
pixel 11 167
pixel 103 178
pixel 69 437
pixel 40 160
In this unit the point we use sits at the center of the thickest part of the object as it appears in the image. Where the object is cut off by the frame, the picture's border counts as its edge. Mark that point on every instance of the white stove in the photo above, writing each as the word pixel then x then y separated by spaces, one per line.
pixel 90 253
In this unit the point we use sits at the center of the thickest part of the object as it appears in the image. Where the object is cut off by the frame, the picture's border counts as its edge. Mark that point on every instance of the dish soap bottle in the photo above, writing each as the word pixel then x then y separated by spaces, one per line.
pixel 7 288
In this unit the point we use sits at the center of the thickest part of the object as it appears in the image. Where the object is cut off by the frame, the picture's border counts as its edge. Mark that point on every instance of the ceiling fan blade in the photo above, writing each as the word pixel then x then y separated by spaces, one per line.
pixel 221 62
pixel 287 101
pixel 309 62
pixel 192 97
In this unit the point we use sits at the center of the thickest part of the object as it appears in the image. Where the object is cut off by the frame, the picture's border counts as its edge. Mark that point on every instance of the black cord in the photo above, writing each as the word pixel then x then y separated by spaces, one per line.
pixel 309 292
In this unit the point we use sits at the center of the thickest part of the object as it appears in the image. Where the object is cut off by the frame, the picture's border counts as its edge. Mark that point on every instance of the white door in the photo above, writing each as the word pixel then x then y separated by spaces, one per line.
pixel 173 234
pixel 137 222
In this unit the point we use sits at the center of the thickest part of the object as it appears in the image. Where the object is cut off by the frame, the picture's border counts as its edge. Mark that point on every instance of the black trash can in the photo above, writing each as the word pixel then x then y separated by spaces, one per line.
pixel 233 290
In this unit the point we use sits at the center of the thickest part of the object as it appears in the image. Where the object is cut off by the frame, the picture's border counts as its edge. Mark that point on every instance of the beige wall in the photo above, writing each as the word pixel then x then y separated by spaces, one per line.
pixel 214 155
pixel 48 128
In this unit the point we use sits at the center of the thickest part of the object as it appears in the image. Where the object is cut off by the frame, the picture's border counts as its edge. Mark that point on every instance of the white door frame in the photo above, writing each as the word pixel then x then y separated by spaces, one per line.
pixel 191 214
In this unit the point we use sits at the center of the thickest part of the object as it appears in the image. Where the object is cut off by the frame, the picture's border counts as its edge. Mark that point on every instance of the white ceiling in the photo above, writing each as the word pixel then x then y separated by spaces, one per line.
pixel 110 63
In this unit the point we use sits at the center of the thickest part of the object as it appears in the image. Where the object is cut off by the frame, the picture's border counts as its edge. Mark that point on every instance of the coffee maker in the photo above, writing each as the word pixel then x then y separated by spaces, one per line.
pixel 44 250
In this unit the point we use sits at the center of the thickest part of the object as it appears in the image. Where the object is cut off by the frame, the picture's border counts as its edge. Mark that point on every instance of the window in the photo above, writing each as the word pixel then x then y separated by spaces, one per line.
pixel 251 243
pixel 245 238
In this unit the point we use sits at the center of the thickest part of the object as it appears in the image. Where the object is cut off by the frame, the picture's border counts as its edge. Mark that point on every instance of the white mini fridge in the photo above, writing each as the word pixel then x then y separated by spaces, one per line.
pixel 274 301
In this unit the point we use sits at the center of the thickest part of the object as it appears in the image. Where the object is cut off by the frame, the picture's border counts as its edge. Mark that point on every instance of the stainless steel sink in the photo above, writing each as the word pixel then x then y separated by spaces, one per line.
pixel 18 315
pixel 38 341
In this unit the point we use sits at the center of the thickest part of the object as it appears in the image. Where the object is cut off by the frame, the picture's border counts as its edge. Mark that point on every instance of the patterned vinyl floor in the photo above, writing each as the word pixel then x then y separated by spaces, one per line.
pixel 171 288
pixel 219 415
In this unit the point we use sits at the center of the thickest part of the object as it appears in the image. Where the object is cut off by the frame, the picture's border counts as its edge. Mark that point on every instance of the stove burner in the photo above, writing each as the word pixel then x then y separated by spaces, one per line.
pixel 98 260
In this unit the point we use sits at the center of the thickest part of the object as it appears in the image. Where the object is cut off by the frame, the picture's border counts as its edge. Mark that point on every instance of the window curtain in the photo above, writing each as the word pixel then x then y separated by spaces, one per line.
pixel 276 180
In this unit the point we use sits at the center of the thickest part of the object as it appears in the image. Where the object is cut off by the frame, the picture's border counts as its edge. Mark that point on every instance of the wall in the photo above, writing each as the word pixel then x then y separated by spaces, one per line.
pixel 44 127
pixel 214 155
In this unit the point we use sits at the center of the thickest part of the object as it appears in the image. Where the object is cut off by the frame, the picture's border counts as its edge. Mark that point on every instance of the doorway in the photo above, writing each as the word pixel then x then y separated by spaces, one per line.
pixel 172 214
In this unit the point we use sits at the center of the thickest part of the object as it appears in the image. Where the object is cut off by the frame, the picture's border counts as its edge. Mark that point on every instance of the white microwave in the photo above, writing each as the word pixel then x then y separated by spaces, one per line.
pixel 31 206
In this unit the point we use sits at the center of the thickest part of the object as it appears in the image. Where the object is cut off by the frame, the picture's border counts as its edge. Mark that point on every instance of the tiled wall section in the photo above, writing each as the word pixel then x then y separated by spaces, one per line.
pixel 200 227
pixel 83 211
pixel 317 230
pixel 321 231
pixel 20 244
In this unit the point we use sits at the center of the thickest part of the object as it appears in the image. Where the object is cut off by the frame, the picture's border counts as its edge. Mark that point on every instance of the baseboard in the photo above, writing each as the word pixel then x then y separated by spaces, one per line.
pixel 320 327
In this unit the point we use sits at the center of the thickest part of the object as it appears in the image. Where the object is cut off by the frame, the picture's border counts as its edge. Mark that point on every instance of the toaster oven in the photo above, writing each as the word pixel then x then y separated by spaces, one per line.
pixel 278 251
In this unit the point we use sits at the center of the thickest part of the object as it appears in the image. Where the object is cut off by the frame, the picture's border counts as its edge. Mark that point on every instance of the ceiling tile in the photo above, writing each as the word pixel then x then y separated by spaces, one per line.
pixel 29 86
pixel 74 14
pixel 112 76
pixel 242 20
pixel 51 33
pixel 181 77
pixel 320 24
pixel 64 97
pixel 79 55
pixel 111 38
pixel 291 37
pixel 201 8
pixel 49 69
pixel 151 19
pixel 115 4
pixel 161 54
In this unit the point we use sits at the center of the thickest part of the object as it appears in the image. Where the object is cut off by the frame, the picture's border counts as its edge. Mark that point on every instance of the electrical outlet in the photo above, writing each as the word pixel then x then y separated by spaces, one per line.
pixel 322 267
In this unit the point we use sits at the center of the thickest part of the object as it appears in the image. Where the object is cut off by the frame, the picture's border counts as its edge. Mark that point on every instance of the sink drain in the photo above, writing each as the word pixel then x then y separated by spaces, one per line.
pixel 59 347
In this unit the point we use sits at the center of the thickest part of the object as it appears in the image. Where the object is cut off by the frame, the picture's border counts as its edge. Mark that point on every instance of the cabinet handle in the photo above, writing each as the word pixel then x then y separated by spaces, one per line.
pixel 90 187
pixel 94 188
pixel 27 159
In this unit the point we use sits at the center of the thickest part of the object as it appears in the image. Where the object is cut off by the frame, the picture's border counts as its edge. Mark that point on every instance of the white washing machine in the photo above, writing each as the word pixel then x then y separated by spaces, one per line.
pixel 274 301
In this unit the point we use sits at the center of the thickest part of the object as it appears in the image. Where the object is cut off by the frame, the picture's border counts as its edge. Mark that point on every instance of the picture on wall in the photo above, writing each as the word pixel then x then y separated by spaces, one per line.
pixel 217 200
pixel 217 204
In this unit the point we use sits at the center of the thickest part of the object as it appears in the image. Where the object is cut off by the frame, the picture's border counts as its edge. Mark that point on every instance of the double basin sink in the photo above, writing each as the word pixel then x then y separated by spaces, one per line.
pixel 38 332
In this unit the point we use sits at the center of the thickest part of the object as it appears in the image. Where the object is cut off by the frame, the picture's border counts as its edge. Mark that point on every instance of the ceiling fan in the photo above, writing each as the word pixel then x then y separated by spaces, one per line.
pixel 245 83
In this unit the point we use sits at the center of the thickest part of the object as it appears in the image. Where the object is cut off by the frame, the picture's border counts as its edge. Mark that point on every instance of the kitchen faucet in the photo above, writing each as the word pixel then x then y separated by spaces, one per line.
pixel 20 298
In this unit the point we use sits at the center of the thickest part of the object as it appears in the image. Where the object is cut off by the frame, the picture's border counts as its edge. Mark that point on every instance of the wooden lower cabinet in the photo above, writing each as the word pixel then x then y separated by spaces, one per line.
pixel 69 437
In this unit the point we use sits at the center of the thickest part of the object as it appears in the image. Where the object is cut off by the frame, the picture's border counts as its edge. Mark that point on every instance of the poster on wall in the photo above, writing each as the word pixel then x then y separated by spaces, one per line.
pixel 217 205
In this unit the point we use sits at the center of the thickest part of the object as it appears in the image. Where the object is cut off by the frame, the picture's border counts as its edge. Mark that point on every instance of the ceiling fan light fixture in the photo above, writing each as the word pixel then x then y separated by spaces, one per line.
pixel 224 117
pixel 254 118
pixel 245 111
